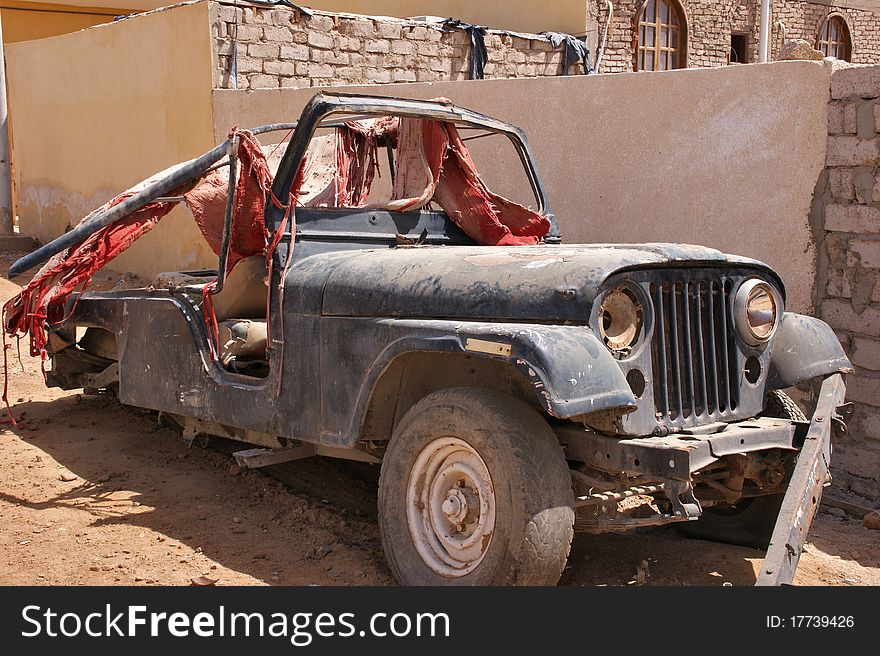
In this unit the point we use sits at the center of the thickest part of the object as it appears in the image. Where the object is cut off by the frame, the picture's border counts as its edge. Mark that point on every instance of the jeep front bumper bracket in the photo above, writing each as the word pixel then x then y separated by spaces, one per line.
pixel 804 493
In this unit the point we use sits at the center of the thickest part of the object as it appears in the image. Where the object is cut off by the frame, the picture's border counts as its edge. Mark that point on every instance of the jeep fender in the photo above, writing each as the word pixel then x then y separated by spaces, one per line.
pixel 569 369
pixel 804 348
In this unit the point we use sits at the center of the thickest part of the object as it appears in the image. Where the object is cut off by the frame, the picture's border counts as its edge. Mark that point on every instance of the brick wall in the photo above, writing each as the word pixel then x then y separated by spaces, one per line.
pixel 846 219
pixel 281 47
pixel 803 20
pixel 710 24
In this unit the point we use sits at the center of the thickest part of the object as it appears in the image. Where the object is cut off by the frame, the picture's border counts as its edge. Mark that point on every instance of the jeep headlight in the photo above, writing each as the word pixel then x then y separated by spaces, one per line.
pixel 620 320
pixel 756 311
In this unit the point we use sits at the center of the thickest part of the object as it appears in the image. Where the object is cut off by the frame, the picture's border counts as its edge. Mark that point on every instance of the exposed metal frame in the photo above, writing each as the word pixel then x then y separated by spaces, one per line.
pixel 804 492
pixel 100 218
pixel 324 105
pixel 314 115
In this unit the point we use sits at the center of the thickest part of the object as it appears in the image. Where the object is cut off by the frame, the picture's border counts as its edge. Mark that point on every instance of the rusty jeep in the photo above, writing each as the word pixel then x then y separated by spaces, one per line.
pixel 512 394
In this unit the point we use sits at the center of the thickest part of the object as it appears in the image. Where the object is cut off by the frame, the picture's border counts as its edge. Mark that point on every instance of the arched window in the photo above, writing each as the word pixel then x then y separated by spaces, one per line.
pixel 661 36
pixel 834 39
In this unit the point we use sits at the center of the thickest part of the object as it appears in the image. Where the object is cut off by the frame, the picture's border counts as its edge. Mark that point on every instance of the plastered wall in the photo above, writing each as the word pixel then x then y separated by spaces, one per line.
pixel 96 111
pixel 724 157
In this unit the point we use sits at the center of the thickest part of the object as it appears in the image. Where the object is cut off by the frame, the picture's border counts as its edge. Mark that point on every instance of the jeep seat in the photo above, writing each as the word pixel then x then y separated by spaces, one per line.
pixel 245 291
pixel 242 339
pixel 240 308
pixel 244 294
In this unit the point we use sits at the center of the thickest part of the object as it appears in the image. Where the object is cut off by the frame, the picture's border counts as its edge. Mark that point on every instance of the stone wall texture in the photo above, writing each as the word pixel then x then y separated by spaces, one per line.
pixel 281 47
pixel 846 219
pixel 803 20
pixel 711 23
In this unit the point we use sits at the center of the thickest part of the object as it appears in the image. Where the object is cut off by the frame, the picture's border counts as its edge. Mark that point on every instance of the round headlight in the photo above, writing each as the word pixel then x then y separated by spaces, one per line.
pixel 620 320
pixel 756 311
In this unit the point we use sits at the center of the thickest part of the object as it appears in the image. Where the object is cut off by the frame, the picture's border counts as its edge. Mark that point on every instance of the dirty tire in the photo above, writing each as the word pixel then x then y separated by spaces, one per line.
pixel 779 404
pixel 531 492
pixel 749 522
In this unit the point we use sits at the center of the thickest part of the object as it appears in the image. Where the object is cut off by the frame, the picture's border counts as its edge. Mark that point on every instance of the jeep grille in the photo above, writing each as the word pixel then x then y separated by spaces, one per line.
pixel 694 353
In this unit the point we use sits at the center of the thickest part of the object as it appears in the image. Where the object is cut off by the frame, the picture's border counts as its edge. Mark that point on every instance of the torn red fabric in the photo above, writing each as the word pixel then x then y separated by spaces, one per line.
pixel 207 202
pixel 43 299
pixel 339 168
pixel 486 217
pixel 433 164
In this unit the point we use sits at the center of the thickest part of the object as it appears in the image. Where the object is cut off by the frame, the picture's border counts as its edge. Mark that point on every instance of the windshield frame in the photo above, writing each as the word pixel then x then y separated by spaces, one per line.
pixel 324 110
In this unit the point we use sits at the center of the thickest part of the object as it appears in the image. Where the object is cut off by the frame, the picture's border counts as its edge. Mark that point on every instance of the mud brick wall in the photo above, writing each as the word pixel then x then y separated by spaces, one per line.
pixel 710 24
pixel 803 20
pixel 281 47
pixel 846 220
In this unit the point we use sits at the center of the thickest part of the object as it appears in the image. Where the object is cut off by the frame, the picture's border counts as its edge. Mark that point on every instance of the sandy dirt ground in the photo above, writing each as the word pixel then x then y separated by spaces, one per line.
pixel 94 493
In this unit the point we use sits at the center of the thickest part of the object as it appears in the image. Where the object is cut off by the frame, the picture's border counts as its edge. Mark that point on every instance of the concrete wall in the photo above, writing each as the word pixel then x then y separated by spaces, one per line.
pixel 727 157
pixel 24 21
pixel 692 156
pixel 96 111
pixel 559 15
pixel 847 219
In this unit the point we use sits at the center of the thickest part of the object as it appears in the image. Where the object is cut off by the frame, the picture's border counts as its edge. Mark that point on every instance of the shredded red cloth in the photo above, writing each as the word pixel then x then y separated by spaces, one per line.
pixel 43 299
pixel 248 234
pixel 432 164
pixel 253 186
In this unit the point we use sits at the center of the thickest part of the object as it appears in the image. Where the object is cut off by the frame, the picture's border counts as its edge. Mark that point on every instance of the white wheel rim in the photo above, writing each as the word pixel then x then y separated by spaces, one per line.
pixel 450 505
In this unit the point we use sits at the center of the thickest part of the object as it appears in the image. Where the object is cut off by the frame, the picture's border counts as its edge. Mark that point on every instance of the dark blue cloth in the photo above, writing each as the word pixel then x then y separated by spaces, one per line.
pixel 477 36
pixel 575 50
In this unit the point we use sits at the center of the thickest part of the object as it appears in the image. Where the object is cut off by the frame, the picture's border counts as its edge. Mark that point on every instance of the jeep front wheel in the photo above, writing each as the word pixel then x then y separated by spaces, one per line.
pixel 475 490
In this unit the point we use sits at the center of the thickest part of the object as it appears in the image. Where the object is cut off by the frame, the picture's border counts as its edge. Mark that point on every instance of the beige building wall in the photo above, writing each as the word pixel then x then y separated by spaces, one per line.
pixel 723 157
pixel 24 21
pixel 568 16
pixel 96 111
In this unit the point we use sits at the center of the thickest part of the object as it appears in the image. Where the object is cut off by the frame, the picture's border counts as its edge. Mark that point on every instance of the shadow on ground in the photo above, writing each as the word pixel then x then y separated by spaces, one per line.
pixel 133 472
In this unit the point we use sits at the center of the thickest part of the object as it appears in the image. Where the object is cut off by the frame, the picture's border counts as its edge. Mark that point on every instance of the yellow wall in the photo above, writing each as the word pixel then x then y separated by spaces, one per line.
pixel 96 111
pixel 523 15
pixel 24 21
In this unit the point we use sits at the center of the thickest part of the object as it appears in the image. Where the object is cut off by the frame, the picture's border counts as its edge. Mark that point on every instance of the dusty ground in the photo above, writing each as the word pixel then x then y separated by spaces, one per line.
pixel 92 493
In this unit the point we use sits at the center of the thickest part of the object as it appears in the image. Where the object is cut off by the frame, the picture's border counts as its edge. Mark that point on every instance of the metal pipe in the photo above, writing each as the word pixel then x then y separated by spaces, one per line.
pixel 5 177
pixel 99 219
pixel 229 215
pixel 608 22
pixel 764 38
pixel 184 174
pixel 782 34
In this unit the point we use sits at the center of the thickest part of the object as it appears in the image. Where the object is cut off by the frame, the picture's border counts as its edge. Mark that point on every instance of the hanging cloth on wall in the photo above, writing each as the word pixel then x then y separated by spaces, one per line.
pixel 575 50
pixel 285 3
pixel 477 36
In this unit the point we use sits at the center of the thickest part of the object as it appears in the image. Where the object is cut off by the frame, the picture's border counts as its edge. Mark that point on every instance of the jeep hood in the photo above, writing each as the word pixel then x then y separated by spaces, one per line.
pixel 527 283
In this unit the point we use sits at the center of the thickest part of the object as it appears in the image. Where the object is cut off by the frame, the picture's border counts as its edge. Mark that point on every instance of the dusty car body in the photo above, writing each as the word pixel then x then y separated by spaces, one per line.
pixel 511 394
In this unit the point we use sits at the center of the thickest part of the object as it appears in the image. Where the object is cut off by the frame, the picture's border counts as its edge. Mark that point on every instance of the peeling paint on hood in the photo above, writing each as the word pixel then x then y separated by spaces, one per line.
pixel 537 283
